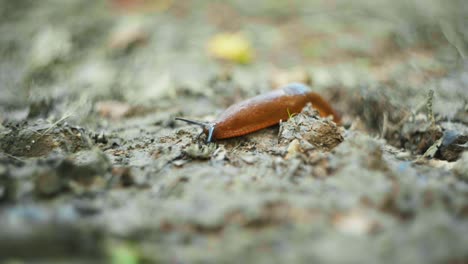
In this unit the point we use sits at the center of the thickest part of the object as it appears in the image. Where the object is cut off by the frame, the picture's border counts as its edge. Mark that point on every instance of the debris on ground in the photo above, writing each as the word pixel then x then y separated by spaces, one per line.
pixel 311 130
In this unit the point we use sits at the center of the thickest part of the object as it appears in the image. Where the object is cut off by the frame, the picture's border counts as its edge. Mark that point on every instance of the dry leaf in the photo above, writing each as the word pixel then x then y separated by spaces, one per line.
pixel 232 47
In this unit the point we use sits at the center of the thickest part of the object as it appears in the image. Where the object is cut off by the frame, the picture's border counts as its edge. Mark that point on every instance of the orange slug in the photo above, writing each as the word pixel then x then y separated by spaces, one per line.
pixel 263 111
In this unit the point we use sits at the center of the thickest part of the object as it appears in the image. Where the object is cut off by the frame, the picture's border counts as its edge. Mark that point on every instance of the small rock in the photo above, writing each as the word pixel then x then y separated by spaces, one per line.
pixel 179 163
pixel 294 149
pixel 196 151
pixel 452 146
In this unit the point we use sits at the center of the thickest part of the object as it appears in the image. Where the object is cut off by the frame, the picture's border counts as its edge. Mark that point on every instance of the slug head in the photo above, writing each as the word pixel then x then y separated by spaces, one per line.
pixel 208 128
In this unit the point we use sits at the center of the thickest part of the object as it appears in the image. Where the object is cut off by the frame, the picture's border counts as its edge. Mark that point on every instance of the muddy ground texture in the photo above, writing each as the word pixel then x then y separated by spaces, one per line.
pixel 93 165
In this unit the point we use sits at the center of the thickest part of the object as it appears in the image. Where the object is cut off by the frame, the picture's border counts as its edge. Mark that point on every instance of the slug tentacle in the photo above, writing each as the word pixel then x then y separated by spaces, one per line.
pixel 193 122
pixel 206 127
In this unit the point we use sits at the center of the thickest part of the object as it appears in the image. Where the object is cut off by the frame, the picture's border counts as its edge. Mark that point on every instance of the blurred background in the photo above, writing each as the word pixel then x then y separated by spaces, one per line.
pixel 142 51
pixel 94 168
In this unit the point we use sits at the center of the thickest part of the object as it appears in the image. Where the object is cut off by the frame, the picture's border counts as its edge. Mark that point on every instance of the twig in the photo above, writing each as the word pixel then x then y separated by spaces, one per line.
pixel 451 38
pixel 13 157
pixel 430 112
pixel 385 125
pixel 55 124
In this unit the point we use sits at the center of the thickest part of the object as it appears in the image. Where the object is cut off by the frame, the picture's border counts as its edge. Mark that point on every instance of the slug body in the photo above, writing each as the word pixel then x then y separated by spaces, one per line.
pixel 265 110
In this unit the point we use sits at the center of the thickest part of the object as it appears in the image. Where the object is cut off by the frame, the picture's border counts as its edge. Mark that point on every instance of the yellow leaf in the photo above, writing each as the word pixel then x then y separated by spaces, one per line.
pixel 232 47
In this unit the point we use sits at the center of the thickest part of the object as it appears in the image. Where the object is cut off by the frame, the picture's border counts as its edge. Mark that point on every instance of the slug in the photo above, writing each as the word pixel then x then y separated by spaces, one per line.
pixel 263 111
